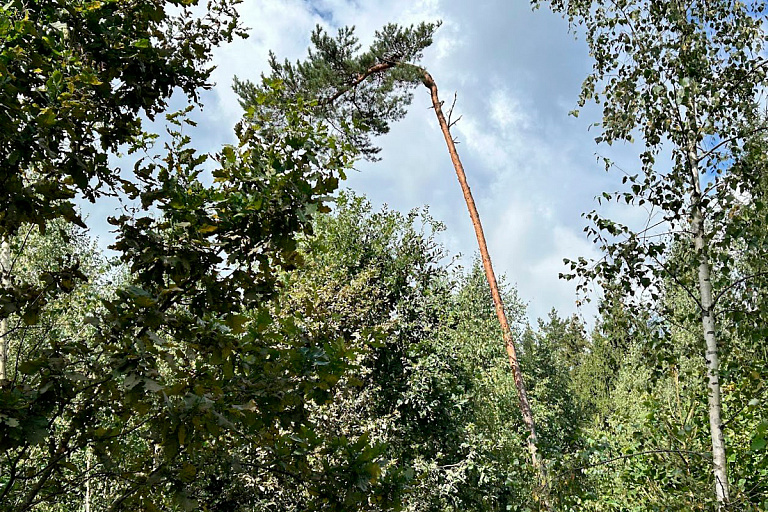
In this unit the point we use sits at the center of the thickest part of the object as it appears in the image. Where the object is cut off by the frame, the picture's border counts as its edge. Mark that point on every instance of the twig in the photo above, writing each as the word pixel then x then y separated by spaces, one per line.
pixel 646 452
pixel 450 112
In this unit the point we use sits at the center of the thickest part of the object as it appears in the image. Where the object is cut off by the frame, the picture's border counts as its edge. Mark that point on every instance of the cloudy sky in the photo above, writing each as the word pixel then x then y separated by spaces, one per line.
pixel 517 73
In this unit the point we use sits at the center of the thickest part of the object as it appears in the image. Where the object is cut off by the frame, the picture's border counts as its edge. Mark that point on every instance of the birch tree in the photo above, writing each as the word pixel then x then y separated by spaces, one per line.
pixel 5 273
pixel 684 76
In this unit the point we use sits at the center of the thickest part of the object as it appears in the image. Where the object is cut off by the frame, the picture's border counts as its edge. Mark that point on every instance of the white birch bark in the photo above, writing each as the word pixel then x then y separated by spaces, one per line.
pixel 5 278
pixel 87 499
pixel 719 461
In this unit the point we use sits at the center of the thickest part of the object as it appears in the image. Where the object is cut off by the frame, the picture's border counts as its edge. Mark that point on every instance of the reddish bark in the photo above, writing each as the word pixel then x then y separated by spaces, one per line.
pixel 509 343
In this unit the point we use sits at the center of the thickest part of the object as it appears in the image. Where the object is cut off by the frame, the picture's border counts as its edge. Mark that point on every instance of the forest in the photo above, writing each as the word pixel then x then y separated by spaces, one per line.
pixel 261 338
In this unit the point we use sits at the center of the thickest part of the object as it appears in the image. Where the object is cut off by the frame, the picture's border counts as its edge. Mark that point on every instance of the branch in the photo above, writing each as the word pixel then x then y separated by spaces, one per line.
pixel 61 452
pixel 735 415
pixel 131 490
pixel 735 283
pixel 678 282
pixel 720 144
pixel 12 477
pixel 646 452
pixel 19 252
pixel 278 471
pixel 450 113
pixel 746 75
pixel 360 78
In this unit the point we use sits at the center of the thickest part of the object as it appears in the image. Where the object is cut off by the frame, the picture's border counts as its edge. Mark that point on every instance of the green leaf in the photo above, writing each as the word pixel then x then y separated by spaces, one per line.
pixel 237 323
pixel 182 434
pixel 153 386
pixel 47 117
pixel 187 472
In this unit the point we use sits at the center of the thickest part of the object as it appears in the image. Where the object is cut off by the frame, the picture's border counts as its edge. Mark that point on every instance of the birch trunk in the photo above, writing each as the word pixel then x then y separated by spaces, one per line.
pixel 525 407
pixel 719 461
pixel 87 499
pixel 5 270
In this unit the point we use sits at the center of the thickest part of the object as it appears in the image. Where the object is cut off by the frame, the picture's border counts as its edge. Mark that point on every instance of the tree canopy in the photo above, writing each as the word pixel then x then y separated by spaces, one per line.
pixel 263 342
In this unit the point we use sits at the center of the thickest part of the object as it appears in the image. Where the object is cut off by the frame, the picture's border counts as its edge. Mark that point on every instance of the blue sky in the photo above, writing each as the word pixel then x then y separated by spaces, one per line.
pixel 517 72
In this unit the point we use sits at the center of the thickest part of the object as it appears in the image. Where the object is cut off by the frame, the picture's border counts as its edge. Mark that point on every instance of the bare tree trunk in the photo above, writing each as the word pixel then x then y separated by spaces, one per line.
pixel 87 499
pixel 525 407
pixel 719 461
pixel 5 270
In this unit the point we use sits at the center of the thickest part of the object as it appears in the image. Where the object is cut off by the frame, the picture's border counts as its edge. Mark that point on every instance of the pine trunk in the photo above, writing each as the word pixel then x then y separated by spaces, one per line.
pixel 525 407
pixel 719 461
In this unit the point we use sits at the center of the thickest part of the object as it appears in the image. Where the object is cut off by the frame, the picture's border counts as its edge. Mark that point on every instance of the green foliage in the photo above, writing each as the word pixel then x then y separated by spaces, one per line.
pixel 430 388
pixel 196 379
pixel 375 279
pixel 54 363
pixel 655 61
pixel 702 102
pixel 646 443
pixel 168 374
pixel 686 77
pixel 249 354
pixel 337 79
pixel 493 470
pixel 553 355
pixel 74 77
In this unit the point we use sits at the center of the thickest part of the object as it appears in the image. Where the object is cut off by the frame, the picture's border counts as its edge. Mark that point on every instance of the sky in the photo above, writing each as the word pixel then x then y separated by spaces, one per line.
pixel 516 73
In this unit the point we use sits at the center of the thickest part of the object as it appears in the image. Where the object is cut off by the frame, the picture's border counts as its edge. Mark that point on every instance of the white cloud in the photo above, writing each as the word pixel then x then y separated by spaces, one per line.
pixel 283 26
pixel 506 111
pixel 531 168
